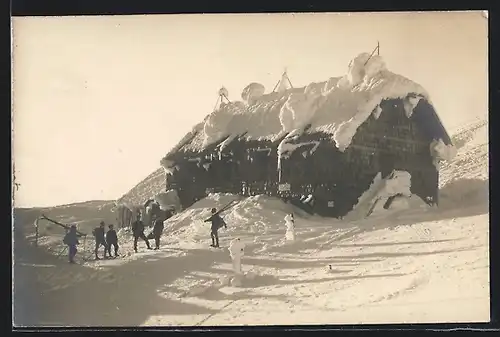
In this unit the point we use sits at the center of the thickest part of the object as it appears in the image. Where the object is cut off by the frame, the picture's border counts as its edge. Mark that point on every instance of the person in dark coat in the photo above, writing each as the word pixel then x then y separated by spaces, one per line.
pixel 71 239
pixel 157 230
pixel 100 240
pixel 112 240
pixel 217 223
pixel 138 232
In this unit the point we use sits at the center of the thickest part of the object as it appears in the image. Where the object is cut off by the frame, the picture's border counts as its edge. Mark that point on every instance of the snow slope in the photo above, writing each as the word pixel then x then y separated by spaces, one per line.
pixel 420 267
pixel 145 190
pixel 405 266
pixel 465 180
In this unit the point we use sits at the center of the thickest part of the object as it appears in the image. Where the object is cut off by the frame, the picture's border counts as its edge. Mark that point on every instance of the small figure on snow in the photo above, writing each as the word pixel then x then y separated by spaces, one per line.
pixel 157 230
pixel 71 239
pixel 217 223
pixel 100 240
pixel 138 232
pixel 112 240
pixel 290 227
pixel 236 251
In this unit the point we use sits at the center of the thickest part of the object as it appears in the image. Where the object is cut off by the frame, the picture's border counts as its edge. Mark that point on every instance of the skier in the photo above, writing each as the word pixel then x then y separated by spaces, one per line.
pixel 290 227
pixel 100 240
pixel 112 240
pixel 236 251
pixel 71 239
pixel 157 230
pixel 217 222
pixel 138 232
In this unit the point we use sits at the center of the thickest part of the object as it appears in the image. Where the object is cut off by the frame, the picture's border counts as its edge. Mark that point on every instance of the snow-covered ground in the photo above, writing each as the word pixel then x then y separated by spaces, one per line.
pixel 406 265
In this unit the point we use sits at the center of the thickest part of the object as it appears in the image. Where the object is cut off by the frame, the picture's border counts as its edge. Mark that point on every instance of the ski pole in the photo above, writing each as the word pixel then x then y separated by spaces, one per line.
pixel 50 276
pixel 62 251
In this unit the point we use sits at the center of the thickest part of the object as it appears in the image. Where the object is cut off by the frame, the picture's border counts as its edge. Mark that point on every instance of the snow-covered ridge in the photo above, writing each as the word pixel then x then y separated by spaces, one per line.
pixel 337 106
pixel 471 160
pixel 144 190
pixel 469 132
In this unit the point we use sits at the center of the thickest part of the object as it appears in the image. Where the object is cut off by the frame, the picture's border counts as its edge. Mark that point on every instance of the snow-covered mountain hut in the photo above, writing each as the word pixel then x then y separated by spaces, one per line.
pixel 319 146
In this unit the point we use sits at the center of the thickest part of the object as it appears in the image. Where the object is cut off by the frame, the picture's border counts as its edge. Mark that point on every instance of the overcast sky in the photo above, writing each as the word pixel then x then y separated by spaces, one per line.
pixel 99 100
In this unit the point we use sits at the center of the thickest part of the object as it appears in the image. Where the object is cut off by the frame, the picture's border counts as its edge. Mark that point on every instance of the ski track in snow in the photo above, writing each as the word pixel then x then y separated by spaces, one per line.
pixel 403 266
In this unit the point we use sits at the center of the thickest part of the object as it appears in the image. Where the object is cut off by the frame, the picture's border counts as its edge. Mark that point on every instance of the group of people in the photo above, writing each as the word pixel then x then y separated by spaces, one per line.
pixel 109 239
pixel 105 239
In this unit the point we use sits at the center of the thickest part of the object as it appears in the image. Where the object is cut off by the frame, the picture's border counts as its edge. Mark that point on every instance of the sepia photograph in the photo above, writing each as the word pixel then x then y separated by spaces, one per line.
pixel 250 169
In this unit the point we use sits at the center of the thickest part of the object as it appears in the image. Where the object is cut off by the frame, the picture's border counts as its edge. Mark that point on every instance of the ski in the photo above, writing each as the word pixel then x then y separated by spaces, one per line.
pixel 67 227
pixel 232 203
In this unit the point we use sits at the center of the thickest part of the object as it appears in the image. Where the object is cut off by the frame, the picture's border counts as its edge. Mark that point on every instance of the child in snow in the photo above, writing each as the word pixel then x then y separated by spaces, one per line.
pixel 217 223
pixel 71 239
pixel 290 227
pixel 236 251
pixel 112 240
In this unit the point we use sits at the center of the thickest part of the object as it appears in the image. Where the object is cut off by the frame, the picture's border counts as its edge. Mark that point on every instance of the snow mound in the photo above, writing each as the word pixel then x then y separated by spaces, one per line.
pixel 464 181
pixel 299 109
pixel 252 92
pixel 399 183
pixel 336 107
pixel 249 217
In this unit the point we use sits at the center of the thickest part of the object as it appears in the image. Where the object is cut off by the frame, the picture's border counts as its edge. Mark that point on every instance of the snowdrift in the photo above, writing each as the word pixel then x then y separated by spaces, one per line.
pixel 464 181
pixel 252 216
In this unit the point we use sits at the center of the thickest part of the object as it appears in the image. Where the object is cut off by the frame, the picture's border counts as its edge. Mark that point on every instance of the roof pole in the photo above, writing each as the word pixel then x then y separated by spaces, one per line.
pixel 373 52
pixel 288 78
pixel 217 102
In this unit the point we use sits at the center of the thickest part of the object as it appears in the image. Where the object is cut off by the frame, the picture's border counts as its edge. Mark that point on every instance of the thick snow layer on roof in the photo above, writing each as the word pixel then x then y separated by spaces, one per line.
pixel 168 166
pixel 337 106
pixel 350 100
pixel 252 92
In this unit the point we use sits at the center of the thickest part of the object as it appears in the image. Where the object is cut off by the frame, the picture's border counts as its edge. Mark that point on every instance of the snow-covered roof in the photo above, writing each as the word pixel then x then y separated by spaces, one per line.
pixel 336 107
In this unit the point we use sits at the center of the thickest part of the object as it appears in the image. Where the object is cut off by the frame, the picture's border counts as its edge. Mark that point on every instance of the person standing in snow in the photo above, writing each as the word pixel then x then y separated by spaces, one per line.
pixel 100 240
pixel 112 240
pixel 290 227
pixel 138 232
pixel 236 251
pixel 217 223
pixel 157 230
pixel 71 239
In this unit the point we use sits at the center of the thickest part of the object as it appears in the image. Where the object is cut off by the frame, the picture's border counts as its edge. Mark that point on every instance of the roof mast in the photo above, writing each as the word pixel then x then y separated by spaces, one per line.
pixel 223 93
pixel 377 49
pixel 283 81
